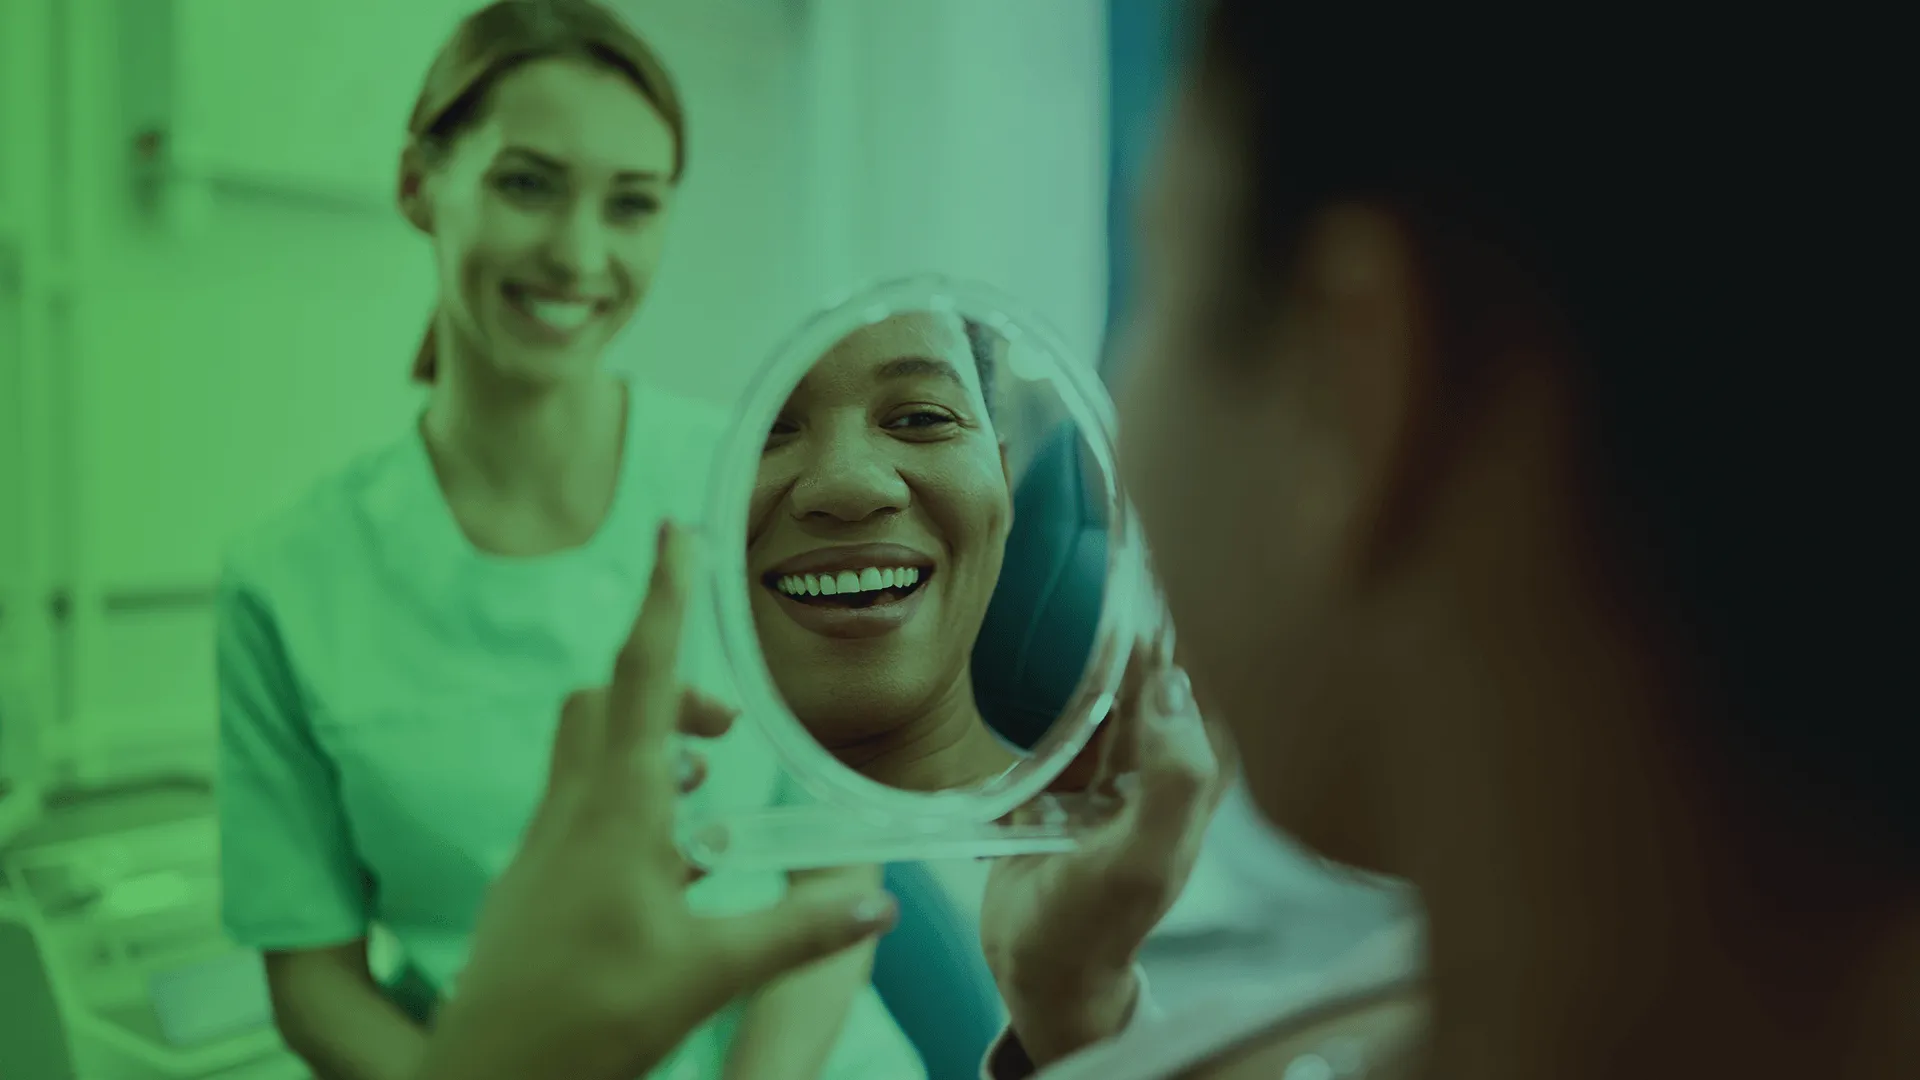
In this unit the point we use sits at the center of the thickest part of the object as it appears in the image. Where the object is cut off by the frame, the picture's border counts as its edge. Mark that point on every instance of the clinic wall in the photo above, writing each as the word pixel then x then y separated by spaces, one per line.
pixel 969 139
pixel 252 329
pixel 29 282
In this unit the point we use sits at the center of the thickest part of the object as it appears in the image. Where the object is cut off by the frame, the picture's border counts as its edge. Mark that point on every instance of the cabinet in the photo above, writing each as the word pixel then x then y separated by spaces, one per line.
pixel 122 899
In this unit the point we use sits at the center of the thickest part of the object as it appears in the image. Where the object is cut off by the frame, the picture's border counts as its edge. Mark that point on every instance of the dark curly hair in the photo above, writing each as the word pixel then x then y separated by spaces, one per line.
pixel 985 343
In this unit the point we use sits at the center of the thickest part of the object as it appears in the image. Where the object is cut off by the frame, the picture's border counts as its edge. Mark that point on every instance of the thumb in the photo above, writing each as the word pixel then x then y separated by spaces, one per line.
pixel 1179 763
pixel 575 743
pixel 812 923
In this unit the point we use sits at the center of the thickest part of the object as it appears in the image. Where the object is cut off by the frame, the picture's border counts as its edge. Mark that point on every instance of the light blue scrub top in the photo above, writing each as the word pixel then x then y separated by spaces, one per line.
pixel 388 696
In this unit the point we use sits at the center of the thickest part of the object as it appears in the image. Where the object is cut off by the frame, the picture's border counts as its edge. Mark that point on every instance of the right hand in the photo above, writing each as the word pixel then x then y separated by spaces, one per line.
pixel 587 962
pixel 1061 932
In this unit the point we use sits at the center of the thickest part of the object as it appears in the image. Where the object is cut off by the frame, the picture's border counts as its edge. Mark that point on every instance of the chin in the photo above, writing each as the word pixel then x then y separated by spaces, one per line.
pixel 528 368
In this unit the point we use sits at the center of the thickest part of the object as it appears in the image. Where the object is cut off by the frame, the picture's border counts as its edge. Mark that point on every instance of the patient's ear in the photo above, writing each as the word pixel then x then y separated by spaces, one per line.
pixel 411 193
pixel 1371 378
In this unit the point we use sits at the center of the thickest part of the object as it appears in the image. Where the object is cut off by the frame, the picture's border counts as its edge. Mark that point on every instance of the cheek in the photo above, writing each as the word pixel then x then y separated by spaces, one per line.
pixel 488 244
pixel 1196 490
pixel 1160 463
pixel 774 480
pixel 639 249
pixel 969 502
pixel 635 256
pixel 759 504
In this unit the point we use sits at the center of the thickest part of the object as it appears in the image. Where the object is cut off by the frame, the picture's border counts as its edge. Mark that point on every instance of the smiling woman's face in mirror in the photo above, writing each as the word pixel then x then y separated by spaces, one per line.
pixel 876 533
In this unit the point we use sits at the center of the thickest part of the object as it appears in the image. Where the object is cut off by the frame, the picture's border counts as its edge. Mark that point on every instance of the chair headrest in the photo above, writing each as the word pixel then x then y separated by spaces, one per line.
pixel 1039 628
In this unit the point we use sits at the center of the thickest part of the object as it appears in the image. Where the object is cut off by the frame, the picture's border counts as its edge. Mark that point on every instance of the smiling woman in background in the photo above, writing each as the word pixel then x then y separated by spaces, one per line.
pixel 878 526
pixel 392 648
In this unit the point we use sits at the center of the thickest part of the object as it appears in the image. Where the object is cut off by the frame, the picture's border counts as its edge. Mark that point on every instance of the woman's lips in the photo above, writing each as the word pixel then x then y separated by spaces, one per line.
pixel 552 318
pixel 838 621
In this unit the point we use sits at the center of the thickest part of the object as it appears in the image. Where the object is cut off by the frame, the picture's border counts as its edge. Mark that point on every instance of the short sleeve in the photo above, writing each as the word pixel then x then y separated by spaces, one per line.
pixel 289 876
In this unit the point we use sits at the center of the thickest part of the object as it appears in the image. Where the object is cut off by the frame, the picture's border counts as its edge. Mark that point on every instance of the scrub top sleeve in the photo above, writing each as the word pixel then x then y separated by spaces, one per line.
pixel 289 876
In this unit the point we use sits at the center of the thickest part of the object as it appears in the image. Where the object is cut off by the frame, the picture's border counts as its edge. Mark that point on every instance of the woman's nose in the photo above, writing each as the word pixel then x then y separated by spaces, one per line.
pixel 849 480
pixel 579 247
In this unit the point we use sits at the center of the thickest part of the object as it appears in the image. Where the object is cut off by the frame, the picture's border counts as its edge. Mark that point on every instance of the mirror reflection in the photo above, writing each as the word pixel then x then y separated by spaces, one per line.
pixel 925 549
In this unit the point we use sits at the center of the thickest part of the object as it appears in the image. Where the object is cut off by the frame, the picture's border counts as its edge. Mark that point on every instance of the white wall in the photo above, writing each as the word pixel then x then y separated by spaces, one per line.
pixel 27 282
pixel 966 137
pixel 224 356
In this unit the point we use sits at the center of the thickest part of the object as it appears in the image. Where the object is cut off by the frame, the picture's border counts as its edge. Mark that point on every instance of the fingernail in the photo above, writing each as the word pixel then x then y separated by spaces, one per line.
pixel 874 910
pixel 1176 693
pixel 683 769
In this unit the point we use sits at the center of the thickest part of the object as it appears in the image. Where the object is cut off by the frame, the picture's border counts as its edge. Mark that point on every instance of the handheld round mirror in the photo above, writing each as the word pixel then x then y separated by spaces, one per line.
pixel 928 577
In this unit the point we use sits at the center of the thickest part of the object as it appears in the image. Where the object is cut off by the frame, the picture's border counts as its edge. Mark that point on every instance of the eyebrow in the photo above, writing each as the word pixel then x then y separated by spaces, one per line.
pixel 919 367
pixel 549 162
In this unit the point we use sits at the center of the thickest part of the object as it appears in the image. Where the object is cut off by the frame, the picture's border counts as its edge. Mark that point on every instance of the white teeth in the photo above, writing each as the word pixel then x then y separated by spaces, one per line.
pixel 561 316
pixel 870 579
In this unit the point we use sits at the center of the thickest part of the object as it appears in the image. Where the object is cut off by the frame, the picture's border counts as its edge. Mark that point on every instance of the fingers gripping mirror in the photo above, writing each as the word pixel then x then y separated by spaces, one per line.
pixel 928 580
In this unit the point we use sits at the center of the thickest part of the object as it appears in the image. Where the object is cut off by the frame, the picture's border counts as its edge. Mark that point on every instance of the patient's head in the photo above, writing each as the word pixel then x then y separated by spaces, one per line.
pixel 1437 409
pixel 878 525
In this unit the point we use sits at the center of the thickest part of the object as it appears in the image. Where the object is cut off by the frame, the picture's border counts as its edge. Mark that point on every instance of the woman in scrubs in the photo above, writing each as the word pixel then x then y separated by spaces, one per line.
pixel 889 478
pixel 393 647
pixel 1498 423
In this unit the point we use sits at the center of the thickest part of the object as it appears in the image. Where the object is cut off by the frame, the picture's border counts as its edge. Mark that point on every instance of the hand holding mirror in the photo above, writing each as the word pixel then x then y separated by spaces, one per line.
pixel 928 576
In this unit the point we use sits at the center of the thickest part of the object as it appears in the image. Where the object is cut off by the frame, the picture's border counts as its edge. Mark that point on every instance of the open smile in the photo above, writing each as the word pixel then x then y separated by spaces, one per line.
pixel 852 592
pixel 869 586
pixel 552 316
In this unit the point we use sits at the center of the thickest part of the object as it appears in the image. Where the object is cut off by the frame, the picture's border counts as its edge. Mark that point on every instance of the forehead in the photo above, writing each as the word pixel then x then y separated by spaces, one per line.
pixel 859 358
pixel 588 115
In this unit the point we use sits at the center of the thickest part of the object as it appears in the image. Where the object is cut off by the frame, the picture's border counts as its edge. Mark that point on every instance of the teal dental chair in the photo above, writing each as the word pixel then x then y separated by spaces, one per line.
pixel 1039 629
pixel 930 973
pixel 1033 648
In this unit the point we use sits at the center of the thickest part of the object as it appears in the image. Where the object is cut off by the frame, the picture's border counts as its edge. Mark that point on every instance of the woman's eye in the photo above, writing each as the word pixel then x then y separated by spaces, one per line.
pixel 523 184
pixel 628 207
pixel 781 429
pixel 922 420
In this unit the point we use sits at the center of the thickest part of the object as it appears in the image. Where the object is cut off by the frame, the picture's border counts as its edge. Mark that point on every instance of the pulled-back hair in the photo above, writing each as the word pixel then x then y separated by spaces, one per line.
pixel 985 343
pixel 502 37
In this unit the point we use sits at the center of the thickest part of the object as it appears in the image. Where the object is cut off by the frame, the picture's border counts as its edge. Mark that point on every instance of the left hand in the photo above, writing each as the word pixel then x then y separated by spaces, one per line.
pixel 1061 931
pixel 587 962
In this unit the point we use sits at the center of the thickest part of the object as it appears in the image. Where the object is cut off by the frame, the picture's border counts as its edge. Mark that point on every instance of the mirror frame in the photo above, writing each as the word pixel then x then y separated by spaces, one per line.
pixel 1130 609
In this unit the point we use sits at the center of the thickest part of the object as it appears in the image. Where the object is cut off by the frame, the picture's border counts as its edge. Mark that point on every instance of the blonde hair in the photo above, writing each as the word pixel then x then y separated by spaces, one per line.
pixel 507 34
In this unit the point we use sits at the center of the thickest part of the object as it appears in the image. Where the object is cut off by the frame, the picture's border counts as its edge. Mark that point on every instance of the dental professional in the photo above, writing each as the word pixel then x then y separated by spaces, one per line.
pixel 392 648
pixel 1559 592
pixel 875 538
